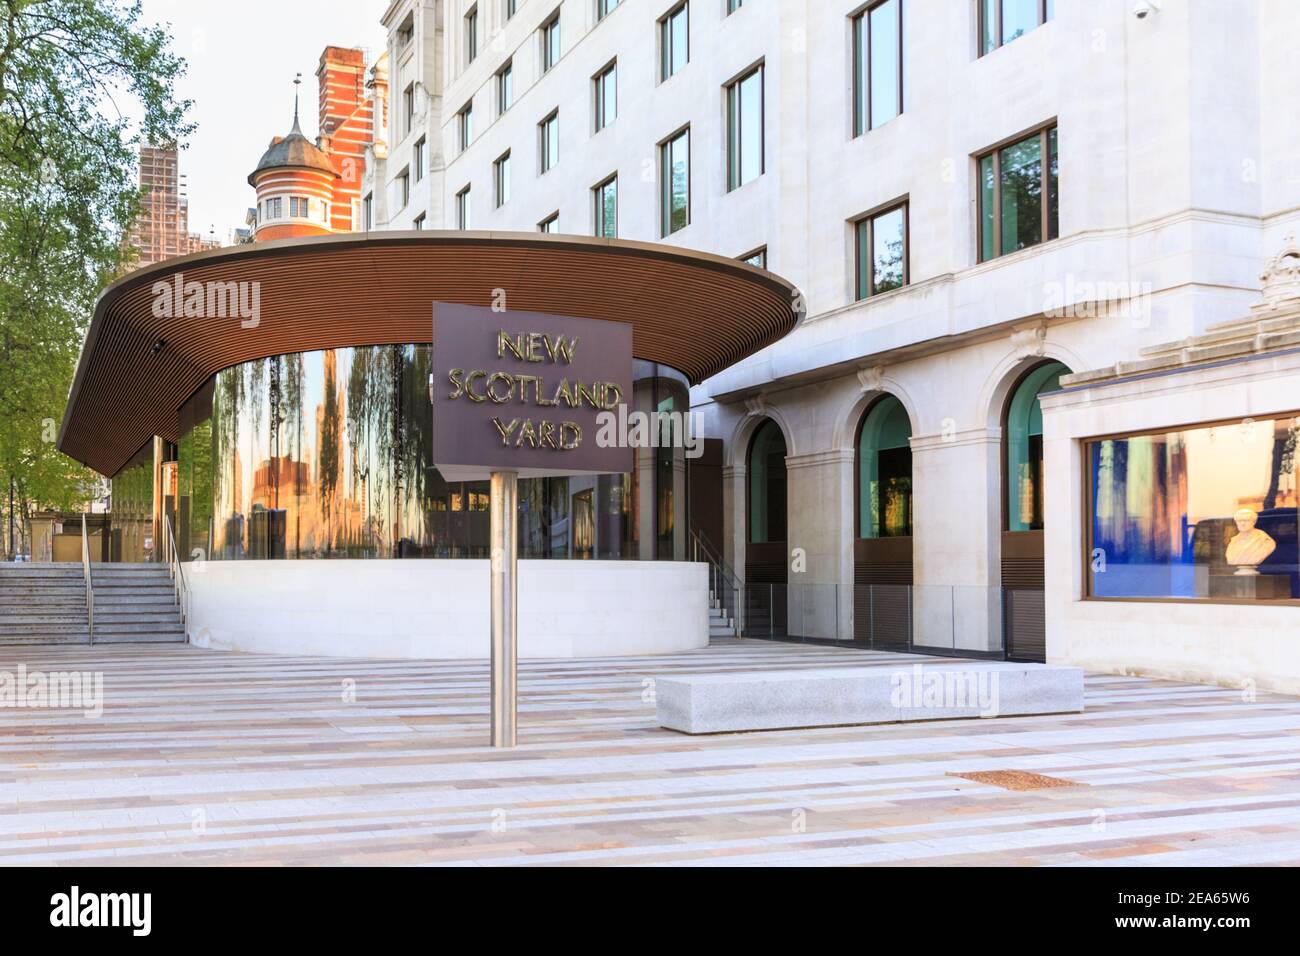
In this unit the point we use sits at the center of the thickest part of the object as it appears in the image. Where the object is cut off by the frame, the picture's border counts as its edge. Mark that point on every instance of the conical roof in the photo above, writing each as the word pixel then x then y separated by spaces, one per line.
pixel 293 151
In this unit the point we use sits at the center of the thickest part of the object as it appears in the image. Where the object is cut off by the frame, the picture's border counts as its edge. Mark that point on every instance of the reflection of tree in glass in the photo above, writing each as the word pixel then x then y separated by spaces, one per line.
pixel 1284 454
pixel 328 451
pixel 371 412
pixel 421 484
pixel 889 264
pixel 228 396
pixel 1022 195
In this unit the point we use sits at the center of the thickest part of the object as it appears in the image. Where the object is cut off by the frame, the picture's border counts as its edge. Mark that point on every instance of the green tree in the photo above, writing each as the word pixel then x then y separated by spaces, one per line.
pixel 68 196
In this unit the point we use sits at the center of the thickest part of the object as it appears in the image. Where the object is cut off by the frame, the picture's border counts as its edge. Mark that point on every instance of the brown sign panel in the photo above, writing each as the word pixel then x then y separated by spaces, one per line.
pixel 524 391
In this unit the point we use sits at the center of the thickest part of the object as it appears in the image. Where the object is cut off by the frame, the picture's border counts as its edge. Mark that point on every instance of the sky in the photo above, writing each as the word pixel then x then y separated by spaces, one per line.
pixel 242 57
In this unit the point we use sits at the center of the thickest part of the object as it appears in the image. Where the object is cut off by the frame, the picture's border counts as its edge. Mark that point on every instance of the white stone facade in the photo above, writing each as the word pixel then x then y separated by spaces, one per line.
pixel 1179 177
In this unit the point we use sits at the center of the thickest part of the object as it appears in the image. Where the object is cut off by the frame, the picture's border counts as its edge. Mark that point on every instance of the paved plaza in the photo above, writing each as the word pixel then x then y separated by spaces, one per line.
pixel 205 757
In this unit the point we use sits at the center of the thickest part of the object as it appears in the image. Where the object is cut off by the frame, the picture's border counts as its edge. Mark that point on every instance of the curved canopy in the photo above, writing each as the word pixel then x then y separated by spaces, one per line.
pixel 696 312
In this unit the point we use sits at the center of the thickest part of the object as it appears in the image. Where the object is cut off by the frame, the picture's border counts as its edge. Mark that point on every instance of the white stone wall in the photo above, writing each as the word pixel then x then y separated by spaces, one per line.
pixel 1188 640
pixel 440 609
pixel 1179 176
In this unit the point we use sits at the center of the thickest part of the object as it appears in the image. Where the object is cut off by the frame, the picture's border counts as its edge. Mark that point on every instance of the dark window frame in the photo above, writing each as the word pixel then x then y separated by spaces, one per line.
pixel 868 218
pixel 665 180
pixel 1088 504
pixel 860 73
pixel 597 210
pixel 981 24
pixel 1049 231
pixel 500 166
pixel 505 78
pixel 543 165
pixel 462 207
pixel 548 60
pixel 599 118
pixel 471 34
pixel 665 39
pixel 732 89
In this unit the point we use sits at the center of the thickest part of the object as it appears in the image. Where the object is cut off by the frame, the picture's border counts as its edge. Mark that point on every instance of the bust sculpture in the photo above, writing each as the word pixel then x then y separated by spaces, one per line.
pixel 1249 547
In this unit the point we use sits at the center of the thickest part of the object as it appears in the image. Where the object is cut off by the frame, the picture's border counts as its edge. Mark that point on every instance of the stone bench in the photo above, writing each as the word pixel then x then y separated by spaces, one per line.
pixel 879 694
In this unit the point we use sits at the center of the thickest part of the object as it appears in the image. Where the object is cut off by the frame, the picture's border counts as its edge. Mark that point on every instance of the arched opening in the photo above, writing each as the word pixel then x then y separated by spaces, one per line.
pixel 882 547
pixel 765 549
pixel 1023 626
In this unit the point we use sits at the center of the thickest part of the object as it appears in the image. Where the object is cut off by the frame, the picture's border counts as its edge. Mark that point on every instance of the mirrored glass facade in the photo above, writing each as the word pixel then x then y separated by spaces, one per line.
pixel 1208 513
pixel 327 455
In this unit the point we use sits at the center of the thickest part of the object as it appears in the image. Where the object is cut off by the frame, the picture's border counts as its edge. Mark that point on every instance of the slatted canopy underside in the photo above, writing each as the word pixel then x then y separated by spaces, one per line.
pixel 696 312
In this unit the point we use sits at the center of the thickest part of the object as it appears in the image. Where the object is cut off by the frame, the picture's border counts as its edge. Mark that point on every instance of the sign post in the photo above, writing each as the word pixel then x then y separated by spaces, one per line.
pixel 523 395
pixel 505 603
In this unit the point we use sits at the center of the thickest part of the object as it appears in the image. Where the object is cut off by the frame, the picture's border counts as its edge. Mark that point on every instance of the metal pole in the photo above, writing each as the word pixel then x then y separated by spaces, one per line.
pixel 505 602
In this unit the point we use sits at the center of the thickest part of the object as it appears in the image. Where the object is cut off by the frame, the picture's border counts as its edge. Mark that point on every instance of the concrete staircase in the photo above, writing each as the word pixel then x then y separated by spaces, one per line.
pixel 720 625
pixel 46 604
pixel 135 603
pixel 42 604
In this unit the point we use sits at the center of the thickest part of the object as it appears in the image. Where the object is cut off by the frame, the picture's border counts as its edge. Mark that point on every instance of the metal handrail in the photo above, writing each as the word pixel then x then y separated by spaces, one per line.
pixel 90 585
pixel 177 573
pixel 722 579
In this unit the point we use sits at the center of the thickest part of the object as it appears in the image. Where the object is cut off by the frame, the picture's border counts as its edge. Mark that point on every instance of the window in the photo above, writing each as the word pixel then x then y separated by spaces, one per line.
pixel 471 34
pixel 756 258
pixel 884 465
pixel 368 212
pixel 881 251
pixel 745 129
pixel 406 32
pixel 877 65
pixel 550 224
pixel 465 120
pixel 605 7
pixel 1022 438
pixel 462 209
pixel 675 183
pixel 674 41
pixel 421 159
pixel 767 484
pixel 606 89
pixel 403 188
pixel 606 200
pixel 1019 202
pixel 419 222
pixel 501 173
pixel 298 207
pixel 551 42
pixel 734 5
pixel 274 208
pixel 1200 513
pixel 512 7
pixel 408 109
pixel 505 87
pixel 548 141
pixel 1002 21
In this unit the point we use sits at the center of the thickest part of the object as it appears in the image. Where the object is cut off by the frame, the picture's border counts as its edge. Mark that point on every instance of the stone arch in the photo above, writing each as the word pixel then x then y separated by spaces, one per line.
pixel 873 387
pixel 1008 372
pixel 756 412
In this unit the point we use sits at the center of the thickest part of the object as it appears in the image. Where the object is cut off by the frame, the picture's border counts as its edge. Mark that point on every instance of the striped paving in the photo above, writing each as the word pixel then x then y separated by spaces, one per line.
pixel 206 757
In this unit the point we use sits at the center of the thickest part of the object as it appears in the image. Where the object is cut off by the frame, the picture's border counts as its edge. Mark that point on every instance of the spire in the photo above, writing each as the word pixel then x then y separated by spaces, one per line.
pixel 297 82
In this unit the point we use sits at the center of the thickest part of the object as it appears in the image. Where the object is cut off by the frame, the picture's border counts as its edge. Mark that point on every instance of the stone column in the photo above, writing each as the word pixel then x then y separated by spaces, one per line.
pixel 819 492
pixel 957 509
